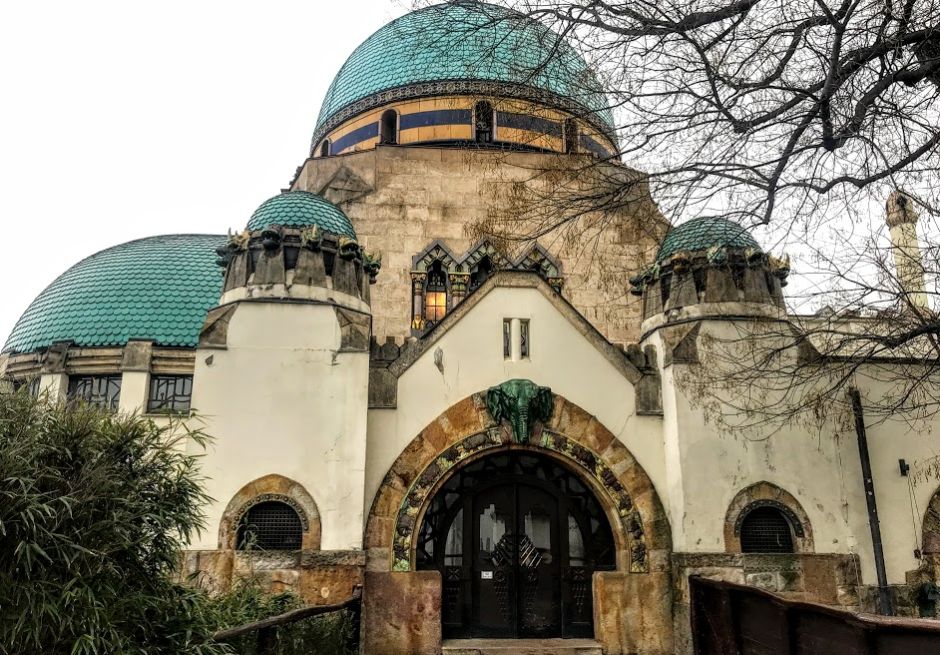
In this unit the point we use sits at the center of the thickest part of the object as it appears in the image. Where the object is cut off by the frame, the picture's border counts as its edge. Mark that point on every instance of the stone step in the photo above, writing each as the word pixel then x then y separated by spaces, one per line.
pixel 521 647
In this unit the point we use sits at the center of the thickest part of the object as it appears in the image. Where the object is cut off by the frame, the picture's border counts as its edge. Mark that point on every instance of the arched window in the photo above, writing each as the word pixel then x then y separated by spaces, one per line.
pixel 483 122
pixel 571 135
pixel 388 130
pixel 481 271
pixel 325 148
pixel 271 525
pixel 766 530
pixel 435 294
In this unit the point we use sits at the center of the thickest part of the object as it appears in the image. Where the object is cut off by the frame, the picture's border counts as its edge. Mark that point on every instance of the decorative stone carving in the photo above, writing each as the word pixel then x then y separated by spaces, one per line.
pixel 521 403
pixel 590 462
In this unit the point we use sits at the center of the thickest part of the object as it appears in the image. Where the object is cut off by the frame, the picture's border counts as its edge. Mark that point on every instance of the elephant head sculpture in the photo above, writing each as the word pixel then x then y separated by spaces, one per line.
pixel 520 402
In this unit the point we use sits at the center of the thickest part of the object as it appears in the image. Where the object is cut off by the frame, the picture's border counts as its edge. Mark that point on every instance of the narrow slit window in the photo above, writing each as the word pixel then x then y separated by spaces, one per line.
pixel 507 338
pixel 483 122
pixel 524 338
pixel 571 136
pixel 388 130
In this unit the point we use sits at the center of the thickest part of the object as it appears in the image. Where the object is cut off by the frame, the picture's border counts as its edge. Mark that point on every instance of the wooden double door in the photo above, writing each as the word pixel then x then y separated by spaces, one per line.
pixel 516 550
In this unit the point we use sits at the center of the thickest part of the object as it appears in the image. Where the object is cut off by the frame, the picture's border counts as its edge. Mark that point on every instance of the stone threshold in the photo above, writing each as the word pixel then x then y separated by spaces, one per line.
pixel 521 647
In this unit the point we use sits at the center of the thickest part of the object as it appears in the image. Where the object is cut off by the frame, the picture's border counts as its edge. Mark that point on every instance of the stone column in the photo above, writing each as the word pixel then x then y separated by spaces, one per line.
pixel 418 278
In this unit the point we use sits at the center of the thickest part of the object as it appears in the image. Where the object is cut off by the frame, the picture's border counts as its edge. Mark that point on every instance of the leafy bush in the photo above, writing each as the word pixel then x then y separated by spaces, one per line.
pixel 94 509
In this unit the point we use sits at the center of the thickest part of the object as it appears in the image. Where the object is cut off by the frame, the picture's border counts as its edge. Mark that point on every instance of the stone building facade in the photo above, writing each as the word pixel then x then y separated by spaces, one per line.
pixel 491 438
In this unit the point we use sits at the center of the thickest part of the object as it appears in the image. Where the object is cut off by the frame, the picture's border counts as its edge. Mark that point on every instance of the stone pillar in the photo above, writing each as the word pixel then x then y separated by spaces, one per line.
pixel 135 376
pixel 458 287
pixel 633 612
pixel 418 279
pixel 401 613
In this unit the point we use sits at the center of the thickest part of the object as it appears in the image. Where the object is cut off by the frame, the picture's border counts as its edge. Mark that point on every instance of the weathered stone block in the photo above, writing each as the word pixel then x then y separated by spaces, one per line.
pixel 624 623
pixel 401 613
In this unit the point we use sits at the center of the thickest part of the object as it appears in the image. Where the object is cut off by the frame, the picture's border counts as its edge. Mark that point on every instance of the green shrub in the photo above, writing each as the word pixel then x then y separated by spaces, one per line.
pixel 94 509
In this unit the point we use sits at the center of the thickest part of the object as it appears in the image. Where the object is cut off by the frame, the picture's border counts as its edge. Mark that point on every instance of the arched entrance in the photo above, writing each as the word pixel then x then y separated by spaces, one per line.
pixel 516 536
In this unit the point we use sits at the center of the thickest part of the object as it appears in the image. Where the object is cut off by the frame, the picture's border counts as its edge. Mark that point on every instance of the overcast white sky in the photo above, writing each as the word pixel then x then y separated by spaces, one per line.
pixel 121 119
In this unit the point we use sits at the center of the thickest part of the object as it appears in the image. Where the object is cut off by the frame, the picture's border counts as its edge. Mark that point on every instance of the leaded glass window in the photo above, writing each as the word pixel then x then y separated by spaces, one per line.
pixel 170 393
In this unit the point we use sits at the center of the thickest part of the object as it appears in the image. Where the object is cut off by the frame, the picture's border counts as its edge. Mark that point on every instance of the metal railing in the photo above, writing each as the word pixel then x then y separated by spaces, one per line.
pixel 305 630
pixel 732 619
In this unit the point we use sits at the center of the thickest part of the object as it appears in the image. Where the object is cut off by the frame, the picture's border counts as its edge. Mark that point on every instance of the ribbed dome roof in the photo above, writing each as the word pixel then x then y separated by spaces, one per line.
pixel 301 209
pixel 157 288
pixel 705 233
pixel 466 41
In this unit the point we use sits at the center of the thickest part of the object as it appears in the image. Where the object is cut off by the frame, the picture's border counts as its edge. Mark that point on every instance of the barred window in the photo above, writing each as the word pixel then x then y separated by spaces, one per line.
pixel 101 390
pixel 766 530
pixel 271 525
pixel 170 393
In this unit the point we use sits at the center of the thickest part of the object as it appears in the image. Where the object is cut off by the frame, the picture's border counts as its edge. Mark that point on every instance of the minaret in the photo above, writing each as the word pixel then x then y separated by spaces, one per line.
pixel 901 217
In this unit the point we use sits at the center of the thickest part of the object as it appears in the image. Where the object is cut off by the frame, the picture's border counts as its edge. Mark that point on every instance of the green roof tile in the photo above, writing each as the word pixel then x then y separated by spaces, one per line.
pixel 157 288
pixel 300 209
pixel 704 233
pixel 467 41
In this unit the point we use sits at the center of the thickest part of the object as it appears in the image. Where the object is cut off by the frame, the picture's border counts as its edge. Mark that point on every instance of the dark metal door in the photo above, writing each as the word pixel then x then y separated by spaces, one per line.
pixel 516 538
pixel 516 562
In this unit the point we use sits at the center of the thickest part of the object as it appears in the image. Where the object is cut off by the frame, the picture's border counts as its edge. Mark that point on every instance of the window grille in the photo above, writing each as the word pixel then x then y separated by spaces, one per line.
pixel 507 338
pixel 170 393
pixel 270 525
pixel 524 337
pixel 100 390
pixel 766 530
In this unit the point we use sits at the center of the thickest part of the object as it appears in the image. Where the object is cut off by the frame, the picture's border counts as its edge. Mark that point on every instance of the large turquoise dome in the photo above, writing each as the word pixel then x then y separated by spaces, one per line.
pixel 158 288
pixel 301 209
pixel 443 49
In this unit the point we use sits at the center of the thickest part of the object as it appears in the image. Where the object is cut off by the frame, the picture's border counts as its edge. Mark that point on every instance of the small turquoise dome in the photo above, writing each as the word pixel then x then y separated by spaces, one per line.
pixel 705 233
pixel 157 288
pixel 301 209
pixel 437 50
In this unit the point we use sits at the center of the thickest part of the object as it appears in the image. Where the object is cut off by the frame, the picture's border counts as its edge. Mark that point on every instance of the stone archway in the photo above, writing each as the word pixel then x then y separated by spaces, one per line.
pixel 767 494
pixel 271 487
pixel 633 606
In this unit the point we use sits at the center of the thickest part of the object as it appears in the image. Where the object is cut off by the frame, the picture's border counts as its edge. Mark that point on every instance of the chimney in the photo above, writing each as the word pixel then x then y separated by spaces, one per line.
pixel 902 222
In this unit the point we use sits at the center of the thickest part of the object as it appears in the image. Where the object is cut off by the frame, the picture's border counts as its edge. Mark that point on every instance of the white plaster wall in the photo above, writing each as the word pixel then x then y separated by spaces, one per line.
pixel 561 358
pixel 819 465
pixel 134 392
pixel 902 501
pixel 282 399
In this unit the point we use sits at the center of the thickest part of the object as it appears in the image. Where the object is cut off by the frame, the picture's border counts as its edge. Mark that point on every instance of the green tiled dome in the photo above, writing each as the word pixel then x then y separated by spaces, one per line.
pixel 466 41
pixel 300 209
pixel 705 233
pixel 156 288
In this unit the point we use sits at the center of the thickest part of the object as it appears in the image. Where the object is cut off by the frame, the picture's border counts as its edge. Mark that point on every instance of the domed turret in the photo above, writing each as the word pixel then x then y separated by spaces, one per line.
pixel 707 261
pixel 296 242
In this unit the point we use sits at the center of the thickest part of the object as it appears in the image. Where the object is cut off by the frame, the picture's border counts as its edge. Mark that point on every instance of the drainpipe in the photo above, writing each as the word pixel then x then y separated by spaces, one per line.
pixel 884 596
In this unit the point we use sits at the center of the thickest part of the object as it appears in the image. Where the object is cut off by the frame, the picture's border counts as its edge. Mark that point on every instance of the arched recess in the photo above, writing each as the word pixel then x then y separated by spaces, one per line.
pixel 277 488
pixel 930 531
pixel 466 431
pixel 766 494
